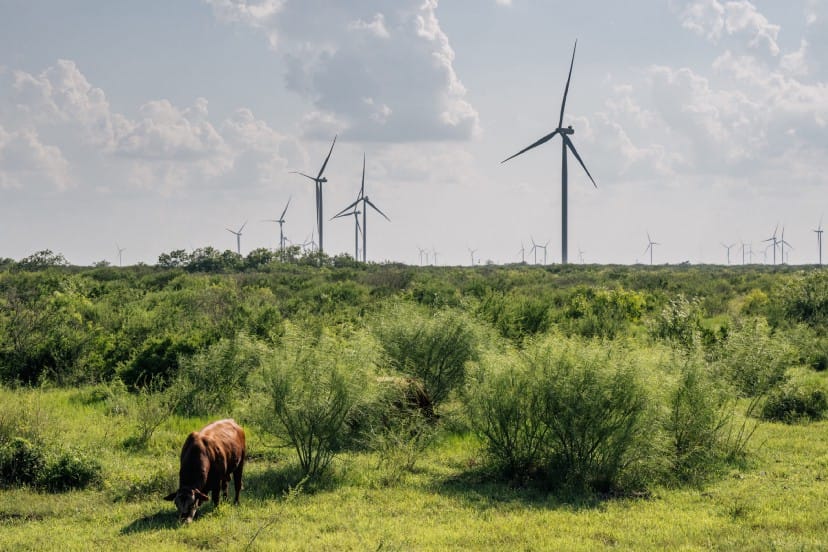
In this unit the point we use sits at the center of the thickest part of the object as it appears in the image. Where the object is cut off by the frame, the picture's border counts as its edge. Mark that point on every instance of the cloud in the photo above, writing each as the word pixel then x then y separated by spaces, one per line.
pixel 375 71
pixel 26 162
pixel 714 19
pixel 166 148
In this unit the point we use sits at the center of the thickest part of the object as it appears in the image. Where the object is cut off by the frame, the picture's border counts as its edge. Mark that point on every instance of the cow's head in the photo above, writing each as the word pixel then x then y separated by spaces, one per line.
pixel 187 502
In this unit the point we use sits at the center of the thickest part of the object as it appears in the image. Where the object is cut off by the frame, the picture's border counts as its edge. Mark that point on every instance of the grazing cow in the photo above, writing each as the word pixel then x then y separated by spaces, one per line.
pixel 208 458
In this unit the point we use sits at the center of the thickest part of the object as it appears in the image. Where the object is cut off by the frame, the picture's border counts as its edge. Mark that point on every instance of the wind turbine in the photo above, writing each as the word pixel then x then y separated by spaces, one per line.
pixel 365 204
pixel 535 248
pixel 319 180
pixel 650 244
pixel 782 244
pixel 728 247
pixel 357 229
pixel 434 254
pixel 238 234
pixel 422 251
pixel 566 142
pixel 819 231
pixel 120 254
pixel 775 242
pixel 581 255
pixel 544 251
pixel 522 252
pixel 281 222
pixel 472 252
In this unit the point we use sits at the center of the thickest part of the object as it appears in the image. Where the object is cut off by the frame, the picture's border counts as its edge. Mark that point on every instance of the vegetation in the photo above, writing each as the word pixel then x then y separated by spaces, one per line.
pixel 481 406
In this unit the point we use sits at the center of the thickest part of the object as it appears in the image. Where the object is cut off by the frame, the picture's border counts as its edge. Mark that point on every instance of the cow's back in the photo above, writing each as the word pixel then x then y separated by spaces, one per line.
pixel 224 442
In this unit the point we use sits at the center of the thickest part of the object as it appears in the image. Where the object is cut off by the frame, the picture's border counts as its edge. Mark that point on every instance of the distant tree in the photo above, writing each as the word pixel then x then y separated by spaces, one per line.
pixel 42 259
pixel 101 264
pixel 260 257
pixel 174 259
pixel 205 259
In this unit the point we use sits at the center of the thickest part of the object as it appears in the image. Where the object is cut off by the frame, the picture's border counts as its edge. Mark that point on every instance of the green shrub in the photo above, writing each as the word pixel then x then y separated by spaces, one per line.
pixel 21 463
pixel 70 470
pixel 605 313
pixel 505 406
pixel 696 423
pixel 157 361
pixel 432 348
pixel 516 316
pixel 753 359
pixel 805 299
pixel 210 381
pixel 798 399
pixel 679 323
pixel 314 385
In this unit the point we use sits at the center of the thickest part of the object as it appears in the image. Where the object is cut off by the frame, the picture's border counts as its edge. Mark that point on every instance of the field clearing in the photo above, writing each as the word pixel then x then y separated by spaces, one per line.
pixel 778 501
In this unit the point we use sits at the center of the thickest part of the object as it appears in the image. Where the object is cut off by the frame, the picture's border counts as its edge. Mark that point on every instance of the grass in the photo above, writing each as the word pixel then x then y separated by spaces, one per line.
pixel 779 500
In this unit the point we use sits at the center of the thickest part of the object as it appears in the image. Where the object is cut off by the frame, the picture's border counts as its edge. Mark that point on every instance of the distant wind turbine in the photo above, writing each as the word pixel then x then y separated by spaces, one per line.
pixel 535 248
pixel 422 252
pixel 120 254
pixel 522 252
pixel 650 244
pixel 566 142
pixel 581 255
pixel 357 229
pixel 281 222
pixel 774 243
pixel 472 252
pixel 238 234
pixel 319 180
pixel 782 244
pixel 365 204
pixel 819 239
pixel 434 254
pixel 728 247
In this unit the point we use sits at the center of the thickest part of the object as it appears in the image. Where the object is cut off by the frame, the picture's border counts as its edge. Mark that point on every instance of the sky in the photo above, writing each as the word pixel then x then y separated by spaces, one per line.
pixel 156 125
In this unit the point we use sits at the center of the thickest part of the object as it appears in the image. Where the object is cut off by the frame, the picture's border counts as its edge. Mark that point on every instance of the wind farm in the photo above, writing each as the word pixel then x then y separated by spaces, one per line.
pixel 388 358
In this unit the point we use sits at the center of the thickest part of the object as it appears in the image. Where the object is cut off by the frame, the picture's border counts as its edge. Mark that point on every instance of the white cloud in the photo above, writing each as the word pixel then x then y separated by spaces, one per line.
pixel 394 54
pixel 795 63
pixel 714 19
pixel 26 162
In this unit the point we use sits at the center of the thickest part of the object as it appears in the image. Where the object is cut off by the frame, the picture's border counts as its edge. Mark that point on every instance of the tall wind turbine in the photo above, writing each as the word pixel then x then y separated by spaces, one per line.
pixel 120 254
pixel 535 248
pixel 544 251
pixel 581 255
pixel 819 239
pixel 319 180
pixel 774 241
pixel 281 222
pixel 566 142
pixel 365 204
pixel 728 247
pixel 650 244
pixel 522 252
pixel 357 229
pixel 782 244
pixel 434 253
pixel 472 252
pixel 238 234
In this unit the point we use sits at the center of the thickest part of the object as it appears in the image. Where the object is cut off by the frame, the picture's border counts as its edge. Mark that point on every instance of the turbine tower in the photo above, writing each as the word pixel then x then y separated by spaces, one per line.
pixel 774 243
pixel 365 204
pixel 782 244
pixel 120 254
pixel 650 244
pixel 472 252
pixel 729 247
pixel 357 229
pixel 566 142
pixel 819 240
pixel 281 222
pixel 535 248
pixel 319 180
pixel 522 252
pixel 238 234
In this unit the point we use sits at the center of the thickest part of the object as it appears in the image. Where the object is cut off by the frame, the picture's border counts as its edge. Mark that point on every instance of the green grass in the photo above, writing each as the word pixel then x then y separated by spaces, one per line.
pixel 779 500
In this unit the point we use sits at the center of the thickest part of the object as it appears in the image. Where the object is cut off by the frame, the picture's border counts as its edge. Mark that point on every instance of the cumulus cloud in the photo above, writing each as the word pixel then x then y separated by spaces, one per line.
pixel 714 19
pixel 27 162
pixel 165 148
pixel 373 71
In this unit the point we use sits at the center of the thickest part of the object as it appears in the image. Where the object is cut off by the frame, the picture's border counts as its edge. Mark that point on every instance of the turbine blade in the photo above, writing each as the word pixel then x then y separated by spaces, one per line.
pixel 536 144
pixel 242 227
pixel 351 206
pixel 566 90
pixel 303 174
pixel 285 211
pixel 369 202
pixel 362 188
pixel 326 159
pixel 571 147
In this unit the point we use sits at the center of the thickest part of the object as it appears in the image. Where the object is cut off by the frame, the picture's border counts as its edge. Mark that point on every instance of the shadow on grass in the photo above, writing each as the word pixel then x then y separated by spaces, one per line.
pixel 162 519
pixel 264 481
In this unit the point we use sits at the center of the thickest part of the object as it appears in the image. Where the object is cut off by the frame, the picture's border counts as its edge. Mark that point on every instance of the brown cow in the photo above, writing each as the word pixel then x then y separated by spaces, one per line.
pixel 208 458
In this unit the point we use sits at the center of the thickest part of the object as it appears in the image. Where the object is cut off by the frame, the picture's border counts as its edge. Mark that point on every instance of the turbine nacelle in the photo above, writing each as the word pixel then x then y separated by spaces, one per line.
pixel 567 130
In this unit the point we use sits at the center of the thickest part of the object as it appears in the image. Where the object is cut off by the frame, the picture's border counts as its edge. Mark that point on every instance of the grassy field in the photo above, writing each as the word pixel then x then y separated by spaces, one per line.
pixel 778 500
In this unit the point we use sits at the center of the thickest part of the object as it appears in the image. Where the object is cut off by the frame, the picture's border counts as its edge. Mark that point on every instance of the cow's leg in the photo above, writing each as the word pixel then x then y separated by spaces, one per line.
pixel 237 481
pixel 224 483
pixel 216 492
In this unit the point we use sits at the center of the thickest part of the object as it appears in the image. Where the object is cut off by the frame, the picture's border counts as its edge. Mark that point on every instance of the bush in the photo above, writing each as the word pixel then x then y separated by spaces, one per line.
pixel 21 463
pixel 752 359
pixel 70 470
pixel 431 348
pixel 209 382
pixel 796 400
pixel 515 316
pixel 696 423
pixel 314 385
pixel 679 323
pixel 606 313
pixel 157 361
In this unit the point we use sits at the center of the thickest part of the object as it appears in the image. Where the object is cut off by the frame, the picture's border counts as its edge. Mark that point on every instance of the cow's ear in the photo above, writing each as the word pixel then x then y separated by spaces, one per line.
pixel 171 496
pixel 201 496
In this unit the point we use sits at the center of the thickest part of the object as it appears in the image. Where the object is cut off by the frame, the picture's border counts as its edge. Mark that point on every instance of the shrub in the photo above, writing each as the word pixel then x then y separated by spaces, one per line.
pixel 21 463
pixel 70 470
pixel 208 382
pixel 798 399
pixel 314 384
pixel 157 361
pixel 432 348
pixel 505 406
pixel 696 423
pixel 752 359
pixel 516 316
pixel 679 323
pixel 805 299
pixel 603 313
